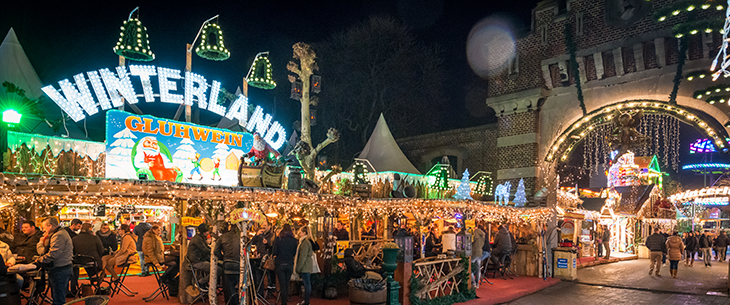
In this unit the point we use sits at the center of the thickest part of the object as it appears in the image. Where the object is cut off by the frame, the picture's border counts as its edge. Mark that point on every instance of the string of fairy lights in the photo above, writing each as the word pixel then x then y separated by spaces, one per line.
pixel 53 193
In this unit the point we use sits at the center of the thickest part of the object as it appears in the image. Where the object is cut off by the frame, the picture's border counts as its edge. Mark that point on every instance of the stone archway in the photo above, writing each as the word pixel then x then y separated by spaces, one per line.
pixel 573 133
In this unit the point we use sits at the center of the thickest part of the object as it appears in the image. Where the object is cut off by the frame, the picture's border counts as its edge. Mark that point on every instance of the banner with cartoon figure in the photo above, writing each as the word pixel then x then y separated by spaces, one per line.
pixel 146 147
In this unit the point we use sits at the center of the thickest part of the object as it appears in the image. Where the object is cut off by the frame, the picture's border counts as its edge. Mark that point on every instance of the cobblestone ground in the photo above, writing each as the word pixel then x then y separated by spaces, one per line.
pixel 628 282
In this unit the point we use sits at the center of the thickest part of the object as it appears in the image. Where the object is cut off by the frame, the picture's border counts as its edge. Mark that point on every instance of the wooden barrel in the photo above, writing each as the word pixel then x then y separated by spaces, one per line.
pixel 9 290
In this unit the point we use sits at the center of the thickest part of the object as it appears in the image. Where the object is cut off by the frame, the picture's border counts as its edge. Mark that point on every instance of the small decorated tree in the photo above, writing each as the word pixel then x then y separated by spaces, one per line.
pixel 464 191
pixel 520 197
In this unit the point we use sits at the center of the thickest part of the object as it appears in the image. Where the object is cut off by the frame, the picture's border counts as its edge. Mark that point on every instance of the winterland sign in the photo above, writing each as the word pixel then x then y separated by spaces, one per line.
pixel 112 90
pixel 160 149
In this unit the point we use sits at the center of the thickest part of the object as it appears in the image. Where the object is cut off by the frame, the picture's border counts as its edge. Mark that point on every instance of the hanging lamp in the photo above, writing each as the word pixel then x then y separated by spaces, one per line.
pixel 259 75
pixel 133 42
pixel 211 43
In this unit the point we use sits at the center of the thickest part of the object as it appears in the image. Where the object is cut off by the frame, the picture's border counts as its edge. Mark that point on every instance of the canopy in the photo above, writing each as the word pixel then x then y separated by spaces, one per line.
pixel 383 152
pixel 16 68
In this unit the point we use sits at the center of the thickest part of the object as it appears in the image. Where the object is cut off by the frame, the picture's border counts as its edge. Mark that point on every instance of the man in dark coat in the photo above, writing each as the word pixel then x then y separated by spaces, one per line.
pixel 502 245
pixel 199 251
pixel 721 244
pixel 25 242
pixel 656 243
pixel 264 242
pixel 86 243
pixel 140 231
pixel 340 232
pixel 228 249
pixel 705 244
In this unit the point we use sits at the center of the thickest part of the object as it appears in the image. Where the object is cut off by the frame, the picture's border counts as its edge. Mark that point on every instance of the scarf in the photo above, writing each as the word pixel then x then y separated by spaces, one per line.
pixel 104 234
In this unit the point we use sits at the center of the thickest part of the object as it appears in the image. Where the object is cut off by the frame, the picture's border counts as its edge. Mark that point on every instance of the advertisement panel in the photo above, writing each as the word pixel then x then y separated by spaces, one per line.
pixel 146 147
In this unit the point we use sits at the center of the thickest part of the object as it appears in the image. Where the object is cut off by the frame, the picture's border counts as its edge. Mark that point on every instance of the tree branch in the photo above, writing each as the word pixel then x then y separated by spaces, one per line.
pixel 332 136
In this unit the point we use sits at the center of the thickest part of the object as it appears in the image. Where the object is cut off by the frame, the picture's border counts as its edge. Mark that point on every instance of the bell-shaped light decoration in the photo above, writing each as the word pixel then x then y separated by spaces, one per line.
pixel 259 75
pixel 133 43
pixel 211 43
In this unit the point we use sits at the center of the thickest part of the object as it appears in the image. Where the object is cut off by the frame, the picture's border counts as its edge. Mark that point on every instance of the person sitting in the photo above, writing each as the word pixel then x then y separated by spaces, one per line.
pixel 9 260
pixel 126 251
pixel 86 243
pixel 502 245
pixel 26 241
pixel 228 249
pixel 109 242
pixel 355 269
pixel 199 252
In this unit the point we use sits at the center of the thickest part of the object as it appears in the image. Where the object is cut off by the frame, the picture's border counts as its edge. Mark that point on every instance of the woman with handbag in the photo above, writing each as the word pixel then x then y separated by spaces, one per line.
pixel 306 262
pixel 284 251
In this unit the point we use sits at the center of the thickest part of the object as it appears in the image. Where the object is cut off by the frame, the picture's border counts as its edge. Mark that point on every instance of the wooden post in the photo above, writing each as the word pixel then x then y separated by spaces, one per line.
pixel 188 68
pixel 185 281
pixel 121 63
pixel 403 275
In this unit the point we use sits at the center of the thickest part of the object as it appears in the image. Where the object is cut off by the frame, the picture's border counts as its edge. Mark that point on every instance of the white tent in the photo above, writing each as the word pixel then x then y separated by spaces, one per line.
pixel 16 68
pixel 383 152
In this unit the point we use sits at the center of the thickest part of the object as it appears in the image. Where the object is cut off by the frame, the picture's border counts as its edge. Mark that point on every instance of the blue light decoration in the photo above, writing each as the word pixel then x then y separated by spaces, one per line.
pixel 702 146
pixel 706 166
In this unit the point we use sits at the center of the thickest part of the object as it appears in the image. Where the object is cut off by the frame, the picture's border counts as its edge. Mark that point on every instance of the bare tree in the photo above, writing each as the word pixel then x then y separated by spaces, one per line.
pixel 379 67
pixel 304 69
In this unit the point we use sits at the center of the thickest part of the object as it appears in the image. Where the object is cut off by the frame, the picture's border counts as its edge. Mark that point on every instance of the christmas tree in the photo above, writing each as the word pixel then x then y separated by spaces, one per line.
pixel 464 191
pixel 520 199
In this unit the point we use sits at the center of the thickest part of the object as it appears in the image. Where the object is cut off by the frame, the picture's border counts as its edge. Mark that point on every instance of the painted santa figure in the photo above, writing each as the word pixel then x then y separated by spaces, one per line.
pixel 259 151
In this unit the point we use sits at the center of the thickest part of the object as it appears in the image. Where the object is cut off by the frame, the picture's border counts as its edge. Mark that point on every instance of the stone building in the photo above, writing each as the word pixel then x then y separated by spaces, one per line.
pixel 623 55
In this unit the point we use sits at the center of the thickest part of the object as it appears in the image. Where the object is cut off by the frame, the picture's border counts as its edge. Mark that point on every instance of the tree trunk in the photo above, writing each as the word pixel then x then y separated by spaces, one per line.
pixel 213 282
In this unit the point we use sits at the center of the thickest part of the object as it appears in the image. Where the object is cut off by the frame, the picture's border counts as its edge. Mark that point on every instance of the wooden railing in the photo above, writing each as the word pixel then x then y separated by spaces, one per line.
pixel 368 251
pixel 437 277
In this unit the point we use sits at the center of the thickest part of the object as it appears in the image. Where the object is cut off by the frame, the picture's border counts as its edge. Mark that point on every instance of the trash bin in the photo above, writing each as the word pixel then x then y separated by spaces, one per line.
pixel 564 263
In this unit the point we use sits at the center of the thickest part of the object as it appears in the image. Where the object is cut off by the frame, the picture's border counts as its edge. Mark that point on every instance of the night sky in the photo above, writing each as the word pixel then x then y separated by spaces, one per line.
pixel 62 39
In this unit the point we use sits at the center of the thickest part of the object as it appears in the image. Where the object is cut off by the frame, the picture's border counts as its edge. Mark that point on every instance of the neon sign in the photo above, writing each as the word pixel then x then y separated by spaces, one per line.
pixel 710 201
pixel 702 146
pixel 705 192
pixel 110 88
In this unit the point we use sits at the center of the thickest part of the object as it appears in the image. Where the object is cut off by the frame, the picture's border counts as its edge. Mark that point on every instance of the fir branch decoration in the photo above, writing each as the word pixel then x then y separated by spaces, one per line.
pixel 570 44
pixel 680 65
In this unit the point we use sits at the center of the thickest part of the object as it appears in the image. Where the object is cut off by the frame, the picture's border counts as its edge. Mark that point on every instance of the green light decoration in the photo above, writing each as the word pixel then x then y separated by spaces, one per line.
pixel 11 116
pixel 700 26
pixel 133 42
pixel 259 75
pixel 484 184
pixel 211 43
pixel 441 174
pixel 684 6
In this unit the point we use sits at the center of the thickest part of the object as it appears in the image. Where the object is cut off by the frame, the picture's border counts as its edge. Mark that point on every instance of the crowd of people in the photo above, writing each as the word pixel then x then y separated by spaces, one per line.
pixel 663 246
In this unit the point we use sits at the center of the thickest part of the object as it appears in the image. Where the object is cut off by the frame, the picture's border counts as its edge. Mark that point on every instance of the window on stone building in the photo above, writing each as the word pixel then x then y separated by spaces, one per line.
pixel 453 160
pixel 514 65
pixel 543 35
pixel 579 24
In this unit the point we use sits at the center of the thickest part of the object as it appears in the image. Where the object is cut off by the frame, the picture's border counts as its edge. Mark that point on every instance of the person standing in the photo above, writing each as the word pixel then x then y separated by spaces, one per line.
pixel 285 248
pixel 664 255
pixel 25 243
pixel 56 252
pixel 657 246
pixel 109 242
pixel 304 263
pixel 263 241
pixel 606 239
pixel 72 230
pixel 140 230
pixel 433 245
pixel 228 250
pixel 675 247
pixel 477 244
pixel 691 247
pixel 721 244
pixel 340 232
pixel 705 243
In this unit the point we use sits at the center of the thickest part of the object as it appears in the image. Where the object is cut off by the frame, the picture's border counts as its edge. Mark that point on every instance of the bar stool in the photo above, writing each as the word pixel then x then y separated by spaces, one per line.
pixel 118 285
pixel 162 286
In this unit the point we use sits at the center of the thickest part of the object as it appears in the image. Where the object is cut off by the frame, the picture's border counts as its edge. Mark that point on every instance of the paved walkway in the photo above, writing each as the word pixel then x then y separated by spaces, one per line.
pixel 628 282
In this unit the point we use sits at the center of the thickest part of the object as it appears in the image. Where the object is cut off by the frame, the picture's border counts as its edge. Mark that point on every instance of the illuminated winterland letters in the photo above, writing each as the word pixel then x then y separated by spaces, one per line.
pixel 109 89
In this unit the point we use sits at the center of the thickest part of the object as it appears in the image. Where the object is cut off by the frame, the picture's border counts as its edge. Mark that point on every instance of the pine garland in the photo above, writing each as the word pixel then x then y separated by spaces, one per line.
pixel 680 66
pixel 570 44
